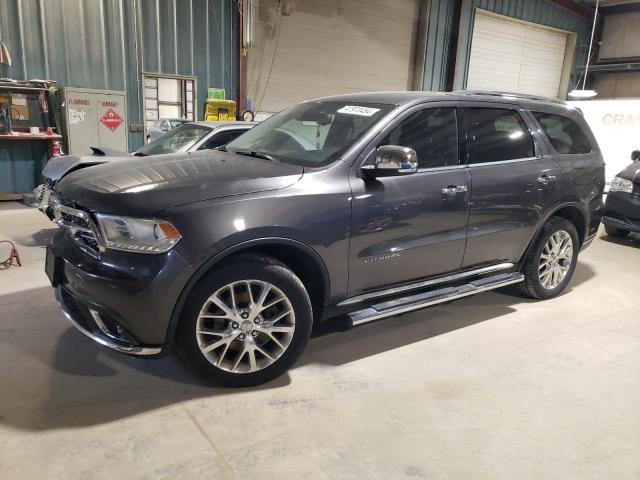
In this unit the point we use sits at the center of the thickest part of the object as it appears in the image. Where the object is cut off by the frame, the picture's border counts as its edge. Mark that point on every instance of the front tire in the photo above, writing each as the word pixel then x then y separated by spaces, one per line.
pixel 551 261
pixel 245 323
pixel 615 232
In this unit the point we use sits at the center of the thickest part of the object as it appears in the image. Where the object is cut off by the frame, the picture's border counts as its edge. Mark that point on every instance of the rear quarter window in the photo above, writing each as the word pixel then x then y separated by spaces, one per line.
pixel 566 136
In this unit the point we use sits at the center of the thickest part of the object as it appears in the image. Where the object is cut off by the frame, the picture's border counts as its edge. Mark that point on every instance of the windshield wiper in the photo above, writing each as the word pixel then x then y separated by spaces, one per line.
pixel 254 154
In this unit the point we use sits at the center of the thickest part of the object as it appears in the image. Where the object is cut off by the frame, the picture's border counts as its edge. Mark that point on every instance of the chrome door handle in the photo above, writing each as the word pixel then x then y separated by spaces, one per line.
pixel 453 189
pixel 547 179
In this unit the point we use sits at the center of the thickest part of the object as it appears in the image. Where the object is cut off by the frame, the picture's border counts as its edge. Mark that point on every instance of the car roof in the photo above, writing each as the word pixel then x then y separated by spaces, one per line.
pixel 215 125
pixel 408 97
pixel 172 119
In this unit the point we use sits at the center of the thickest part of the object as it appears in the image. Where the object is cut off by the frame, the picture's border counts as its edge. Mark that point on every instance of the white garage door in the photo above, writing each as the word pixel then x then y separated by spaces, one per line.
pixel 515 56
pixel 330 47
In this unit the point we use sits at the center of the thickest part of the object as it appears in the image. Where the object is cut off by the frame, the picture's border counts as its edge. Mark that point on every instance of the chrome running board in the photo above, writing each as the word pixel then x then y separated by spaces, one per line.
pixel 432 297
pixel 426 283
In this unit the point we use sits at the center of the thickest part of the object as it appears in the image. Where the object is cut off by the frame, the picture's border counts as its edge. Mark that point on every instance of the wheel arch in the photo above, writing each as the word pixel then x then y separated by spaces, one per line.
pixel 303 260
pixel 572 212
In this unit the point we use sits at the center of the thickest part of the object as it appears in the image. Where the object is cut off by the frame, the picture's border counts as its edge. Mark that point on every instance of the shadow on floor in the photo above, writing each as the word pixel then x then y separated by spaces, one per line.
pixel 54 377
pixel 41 238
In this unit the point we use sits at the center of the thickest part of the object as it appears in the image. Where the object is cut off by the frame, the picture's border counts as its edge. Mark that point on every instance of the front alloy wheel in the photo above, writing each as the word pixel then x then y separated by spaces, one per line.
pixel 245 326
pixel 246 322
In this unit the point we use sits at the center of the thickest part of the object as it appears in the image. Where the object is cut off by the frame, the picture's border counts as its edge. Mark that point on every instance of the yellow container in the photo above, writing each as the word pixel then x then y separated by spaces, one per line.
pixel 218 110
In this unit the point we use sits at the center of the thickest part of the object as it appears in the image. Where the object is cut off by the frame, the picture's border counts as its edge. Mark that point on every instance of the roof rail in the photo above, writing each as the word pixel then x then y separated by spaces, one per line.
pixel 524 96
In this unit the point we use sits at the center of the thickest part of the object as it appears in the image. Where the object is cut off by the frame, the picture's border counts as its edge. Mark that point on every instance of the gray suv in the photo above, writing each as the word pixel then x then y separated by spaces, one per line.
pixel 363 206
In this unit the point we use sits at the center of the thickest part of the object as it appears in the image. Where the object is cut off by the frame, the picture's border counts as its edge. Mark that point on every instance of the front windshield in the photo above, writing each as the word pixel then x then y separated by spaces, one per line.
pixel 177 140
pixel 312 133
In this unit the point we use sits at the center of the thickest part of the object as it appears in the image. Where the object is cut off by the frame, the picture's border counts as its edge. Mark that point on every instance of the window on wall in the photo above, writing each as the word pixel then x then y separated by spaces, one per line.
pixel 168 97
pixel 565 135
pixel 497 134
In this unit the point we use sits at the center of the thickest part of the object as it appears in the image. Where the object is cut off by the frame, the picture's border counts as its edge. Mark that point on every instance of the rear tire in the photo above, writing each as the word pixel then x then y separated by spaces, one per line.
pixel 551 260
pixel 615 232
pixel 258 340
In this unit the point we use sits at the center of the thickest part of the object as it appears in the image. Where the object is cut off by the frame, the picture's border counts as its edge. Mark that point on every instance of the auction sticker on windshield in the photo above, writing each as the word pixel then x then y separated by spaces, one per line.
pixel 357 110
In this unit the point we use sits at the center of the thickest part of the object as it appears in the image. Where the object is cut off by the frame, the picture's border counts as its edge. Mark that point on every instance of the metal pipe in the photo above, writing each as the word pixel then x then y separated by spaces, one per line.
pixel 593 30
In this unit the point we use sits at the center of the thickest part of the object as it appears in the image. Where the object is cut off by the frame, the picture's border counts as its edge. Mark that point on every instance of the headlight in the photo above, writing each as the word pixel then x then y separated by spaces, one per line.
pixel 137 234
pixel 621 185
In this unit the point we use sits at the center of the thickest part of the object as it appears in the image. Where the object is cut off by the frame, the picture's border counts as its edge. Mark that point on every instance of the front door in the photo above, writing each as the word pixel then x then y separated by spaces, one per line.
pixel 514 184
pixel 409 227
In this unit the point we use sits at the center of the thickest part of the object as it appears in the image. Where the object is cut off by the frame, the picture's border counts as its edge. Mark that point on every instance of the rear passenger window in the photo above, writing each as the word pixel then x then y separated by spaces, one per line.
pixel 565 135
pixel 496 134
pixel 432 133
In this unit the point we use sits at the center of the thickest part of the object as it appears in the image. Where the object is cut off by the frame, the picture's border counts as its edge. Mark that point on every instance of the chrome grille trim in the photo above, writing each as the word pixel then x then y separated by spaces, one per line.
pixel 81 227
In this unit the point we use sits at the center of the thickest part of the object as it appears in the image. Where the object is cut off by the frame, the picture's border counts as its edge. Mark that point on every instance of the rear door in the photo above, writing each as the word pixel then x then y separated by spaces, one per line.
pixel 514 182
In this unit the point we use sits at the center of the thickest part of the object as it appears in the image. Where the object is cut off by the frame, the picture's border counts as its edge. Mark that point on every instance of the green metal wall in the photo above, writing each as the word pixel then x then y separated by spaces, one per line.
pixel 439 23
pixel 106 44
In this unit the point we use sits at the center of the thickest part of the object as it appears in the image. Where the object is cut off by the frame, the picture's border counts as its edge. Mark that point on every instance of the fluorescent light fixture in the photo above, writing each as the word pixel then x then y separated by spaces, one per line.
pixel 582 93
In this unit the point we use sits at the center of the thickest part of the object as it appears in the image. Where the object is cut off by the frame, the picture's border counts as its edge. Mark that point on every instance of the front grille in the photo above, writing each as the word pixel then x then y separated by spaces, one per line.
pixel 80 225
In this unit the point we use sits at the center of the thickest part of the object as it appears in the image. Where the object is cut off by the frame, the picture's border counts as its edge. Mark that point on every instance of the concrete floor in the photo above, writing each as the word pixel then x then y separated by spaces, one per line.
pixel 492 386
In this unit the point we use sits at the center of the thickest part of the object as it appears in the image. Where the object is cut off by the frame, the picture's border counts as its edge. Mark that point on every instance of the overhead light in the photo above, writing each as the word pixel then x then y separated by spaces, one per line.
pixel 575 93
pixel 249 18
pixel 582 93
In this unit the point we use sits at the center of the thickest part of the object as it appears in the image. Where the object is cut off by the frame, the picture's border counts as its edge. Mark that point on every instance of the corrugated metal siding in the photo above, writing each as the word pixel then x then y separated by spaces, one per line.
pixel 105 44
pixel 439 20
pixel 536 11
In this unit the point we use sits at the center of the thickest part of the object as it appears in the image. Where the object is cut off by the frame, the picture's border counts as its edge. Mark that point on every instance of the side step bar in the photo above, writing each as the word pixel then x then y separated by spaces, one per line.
pixel 432 297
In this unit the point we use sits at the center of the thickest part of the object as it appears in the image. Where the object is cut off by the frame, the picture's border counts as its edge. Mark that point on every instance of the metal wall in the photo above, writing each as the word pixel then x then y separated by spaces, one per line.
pixel 439 19
pixel 106 44
pixel 439 24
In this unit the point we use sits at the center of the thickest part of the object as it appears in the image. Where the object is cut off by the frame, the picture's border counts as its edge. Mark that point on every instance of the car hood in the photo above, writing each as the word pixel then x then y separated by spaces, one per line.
pixel 58 167
pixel 632 172
pixel 147 185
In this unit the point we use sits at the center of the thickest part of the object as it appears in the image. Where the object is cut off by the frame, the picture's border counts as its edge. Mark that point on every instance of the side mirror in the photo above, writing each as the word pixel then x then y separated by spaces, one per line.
pixel 635 155
pixel 393 160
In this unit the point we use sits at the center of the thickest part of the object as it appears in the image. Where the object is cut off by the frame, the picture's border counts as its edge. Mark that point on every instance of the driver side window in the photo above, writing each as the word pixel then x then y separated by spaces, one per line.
pixel 432 133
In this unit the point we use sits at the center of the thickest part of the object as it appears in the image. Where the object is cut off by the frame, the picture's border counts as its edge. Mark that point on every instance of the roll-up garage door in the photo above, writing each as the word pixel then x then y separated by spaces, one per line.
pixel 329 47
pixel 515 56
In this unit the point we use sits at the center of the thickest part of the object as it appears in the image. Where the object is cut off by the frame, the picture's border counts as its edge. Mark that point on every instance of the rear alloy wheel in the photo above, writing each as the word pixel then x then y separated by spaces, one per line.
pixel 551 260
pixel 555 259
pixel 246 322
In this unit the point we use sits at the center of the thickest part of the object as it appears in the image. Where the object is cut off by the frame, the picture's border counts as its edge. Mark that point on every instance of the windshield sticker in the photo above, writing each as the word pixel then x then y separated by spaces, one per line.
pixel 360 111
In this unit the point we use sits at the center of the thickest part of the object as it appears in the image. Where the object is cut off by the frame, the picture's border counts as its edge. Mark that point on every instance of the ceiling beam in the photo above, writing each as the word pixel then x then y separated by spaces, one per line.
pixel 574 7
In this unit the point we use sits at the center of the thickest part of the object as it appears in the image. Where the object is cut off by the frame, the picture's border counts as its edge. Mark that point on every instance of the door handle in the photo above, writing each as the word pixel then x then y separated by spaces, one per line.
pixel 453 189
pixel 546 179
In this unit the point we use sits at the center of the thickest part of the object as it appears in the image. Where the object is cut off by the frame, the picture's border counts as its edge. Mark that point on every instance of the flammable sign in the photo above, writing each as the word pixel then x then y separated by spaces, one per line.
pixel 111 120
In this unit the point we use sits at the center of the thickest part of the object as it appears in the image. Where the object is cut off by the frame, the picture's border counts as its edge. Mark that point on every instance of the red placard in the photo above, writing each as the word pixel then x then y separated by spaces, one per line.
pixel 112 120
